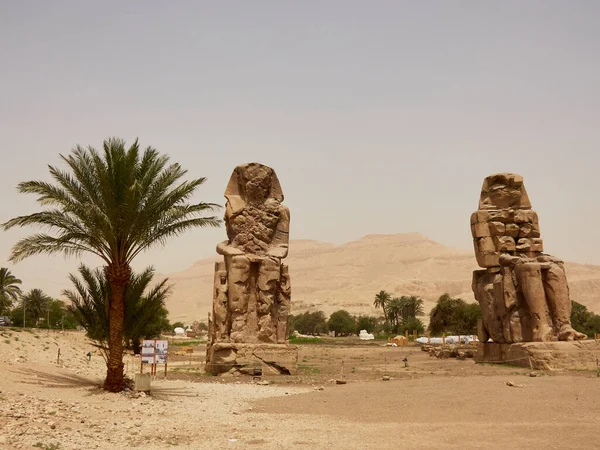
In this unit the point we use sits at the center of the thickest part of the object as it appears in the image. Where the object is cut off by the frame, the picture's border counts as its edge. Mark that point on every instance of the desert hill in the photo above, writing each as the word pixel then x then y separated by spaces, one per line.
pixel 330 277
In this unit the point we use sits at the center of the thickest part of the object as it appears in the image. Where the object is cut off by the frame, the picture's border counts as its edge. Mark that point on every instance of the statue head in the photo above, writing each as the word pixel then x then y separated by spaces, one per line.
pixel 252 183
pixel 504 191
pixel 255 182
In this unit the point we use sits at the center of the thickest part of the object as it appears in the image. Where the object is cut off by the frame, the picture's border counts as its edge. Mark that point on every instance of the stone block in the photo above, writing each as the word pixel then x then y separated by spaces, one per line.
pixel 555 355
pixel 480 217
pixel 505 243
pixel 523 216
pixel 512 230
pixel 142 382
pixel 485 245
pixel 525 230
pixel 524 245
pixel 480 229
pixel 487 259
pixel 501 215
pixel 244 358
pixel 497 228
pixel 537 245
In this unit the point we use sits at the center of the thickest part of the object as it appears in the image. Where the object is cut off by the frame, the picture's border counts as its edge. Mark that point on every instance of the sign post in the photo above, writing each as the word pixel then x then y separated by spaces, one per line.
pixel 154 352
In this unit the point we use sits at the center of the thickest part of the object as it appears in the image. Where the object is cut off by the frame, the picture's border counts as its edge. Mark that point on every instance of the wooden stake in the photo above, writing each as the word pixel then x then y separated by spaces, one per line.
pixel 428 337
pixel 444 338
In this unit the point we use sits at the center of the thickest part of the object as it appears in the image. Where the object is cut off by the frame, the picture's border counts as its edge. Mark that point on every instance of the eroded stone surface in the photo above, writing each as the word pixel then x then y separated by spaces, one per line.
pixel 523 293
pixel 574 355
pixel 252 292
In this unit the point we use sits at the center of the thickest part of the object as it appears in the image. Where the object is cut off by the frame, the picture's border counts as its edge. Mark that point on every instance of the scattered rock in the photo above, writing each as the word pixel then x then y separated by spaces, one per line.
pixel 511 384
pixel 340 381
pixel 386 378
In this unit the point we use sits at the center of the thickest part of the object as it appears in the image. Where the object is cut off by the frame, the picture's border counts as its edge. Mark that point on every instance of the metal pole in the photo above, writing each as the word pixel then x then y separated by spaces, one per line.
pixel 23 313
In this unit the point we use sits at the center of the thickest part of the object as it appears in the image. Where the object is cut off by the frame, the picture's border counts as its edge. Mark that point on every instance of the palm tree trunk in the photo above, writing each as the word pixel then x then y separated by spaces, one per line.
pixel 118 277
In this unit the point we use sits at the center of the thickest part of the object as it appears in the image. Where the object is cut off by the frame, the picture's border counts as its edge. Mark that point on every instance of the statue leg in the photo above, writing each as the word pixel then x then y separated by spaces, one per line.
pixel 267 282
pixel 220 312
pixel 557 293
pixel 283 304
pixel 483 289
pixel 238 274
pixel 529 276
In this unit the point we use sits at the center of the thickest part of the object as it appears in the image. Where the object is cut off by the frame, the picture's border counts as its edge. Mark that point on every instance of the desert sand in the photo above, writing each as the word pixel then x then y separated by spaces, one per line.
pixel 432 403
pixel 329 277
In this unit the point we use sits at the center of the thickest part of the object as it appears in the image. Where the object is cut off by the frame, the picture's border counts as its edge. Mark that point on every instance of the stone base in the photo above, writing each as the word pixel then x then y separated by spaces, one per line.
pixel 142 382
pixel 568 355
pixel 252 359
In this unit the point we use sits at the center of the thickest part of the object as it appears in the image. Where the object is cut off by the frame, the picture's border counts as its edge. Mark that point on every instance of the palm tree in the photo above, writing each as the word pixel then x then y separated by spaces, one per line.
pixel 144 313
pixel 36 303
pixel 411 307
pixel 114 205
pixel 394 309
pixel 9 289
pixel 381 301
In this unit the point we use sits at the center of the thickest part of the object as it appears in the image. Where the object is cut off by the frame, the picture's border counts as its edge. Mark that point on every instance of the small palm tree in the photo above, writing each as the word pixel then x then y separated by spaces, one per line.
pixel 381 301
pixel 144 308
pixel 114 205
pixel 394 309
pixel 411 307
pixel 9 289
pixel 36 303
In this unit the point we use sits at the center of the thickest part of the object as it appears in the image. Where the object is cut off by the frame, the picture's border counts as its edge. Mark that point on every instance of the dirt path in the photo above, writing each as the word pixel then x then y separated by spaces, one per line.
pixel 431 403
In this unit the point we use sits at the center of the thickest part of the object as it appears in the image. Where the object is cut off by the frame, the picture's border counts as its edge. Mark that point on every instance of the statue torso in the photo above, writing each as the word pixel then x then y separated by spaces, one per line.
pixel 252 229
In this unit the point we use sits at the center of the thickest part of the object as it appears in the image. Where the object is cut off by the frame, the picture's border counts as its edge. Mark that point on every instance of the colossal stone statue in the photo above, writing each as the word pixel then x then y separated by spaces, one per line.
pixel 523 292
pixel 252 286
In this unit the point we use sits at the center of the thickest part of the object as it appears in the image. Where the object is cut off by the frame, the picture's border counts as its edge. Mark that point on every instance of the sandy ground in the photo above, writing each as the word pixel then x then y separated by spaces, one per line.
pixel 429 404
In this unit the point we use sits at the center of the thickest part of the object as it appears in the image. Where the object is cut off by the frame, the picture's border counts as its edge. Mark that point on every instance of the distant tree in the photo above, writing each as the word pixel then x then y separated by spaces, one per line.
pixel 381 301
pixel 308 323
pixel 61 316
pixel 342 322
pixel 177 325
pixel 202 326
pixel 583 320
pixel 368 323
pixel 394 310
pixel 9 290
pixel 412 307
pixel 412 324
pixel 36 304
pixel 454 315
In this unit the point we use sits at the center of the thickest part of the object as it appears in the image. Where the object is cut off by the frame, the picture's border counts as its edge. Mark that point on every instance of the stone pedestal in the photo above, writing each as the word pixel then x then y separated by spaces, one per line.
pixel 142 382
pixel 245 358
pixel 559 355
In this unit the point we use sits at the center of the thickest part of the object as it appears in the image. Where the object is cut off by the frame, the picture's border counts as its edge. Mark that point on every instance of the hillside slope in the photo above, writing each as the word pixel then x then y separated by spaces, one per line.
pixel 348 276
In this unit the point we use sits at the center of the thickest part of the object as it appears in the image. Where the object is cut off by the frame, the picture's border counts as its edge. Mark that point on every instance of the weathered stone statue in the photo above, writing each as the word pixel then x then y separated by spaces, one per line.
pixel 523 292
pixel 252 285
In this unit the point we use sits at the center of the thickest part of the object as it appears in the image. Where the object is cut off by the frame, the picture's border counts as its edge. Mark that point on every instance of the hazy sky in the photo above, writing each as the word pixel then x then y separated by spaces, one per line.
pixel 378 116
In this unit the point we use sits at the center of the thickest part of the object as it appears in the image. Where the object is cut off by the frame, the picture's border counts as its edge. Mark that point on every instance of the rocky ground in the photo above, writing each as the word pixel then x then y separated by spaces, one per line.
pixel 432 403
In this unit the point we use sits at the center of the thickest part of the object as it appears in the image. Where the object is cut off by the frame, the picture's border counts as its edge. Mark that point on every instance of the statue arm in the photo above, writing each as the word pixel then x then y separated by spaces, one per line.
pixel 281 239
pixel 223 248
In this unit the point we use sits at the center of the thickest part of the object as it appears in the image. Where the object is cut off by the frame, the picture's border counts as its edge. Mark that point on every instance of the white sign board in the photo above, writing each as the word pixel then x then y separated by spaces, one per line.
pixel 154 351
